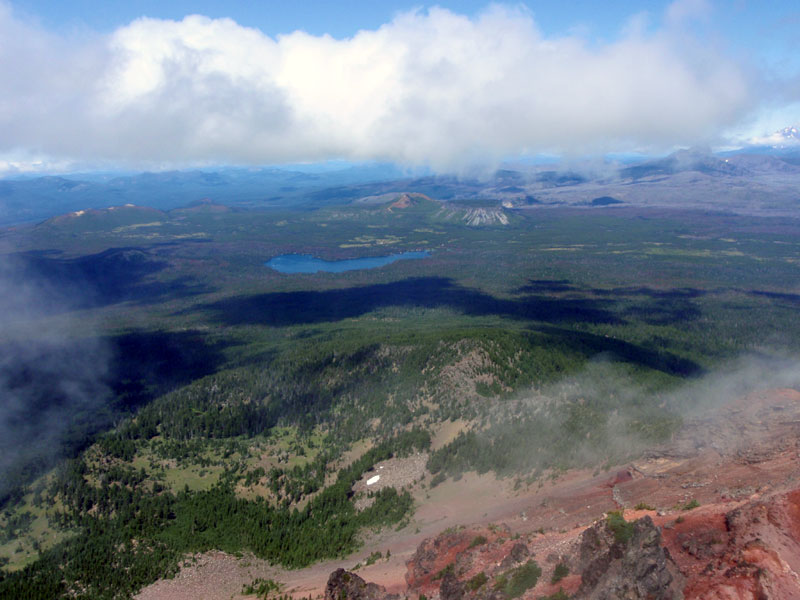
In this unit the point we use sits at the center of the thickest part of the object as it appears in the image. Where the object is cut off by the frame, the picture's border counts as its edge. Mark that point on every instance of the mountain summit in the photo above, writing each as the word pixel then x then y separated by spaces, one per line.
pixel 783 138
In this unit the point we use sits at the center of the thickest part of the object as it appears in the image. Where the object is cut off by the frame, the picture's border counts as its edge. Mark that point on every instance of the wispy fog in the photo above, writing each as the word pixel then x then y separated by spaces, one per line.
pixel 709 397
pixel 605 415
pixel 52 376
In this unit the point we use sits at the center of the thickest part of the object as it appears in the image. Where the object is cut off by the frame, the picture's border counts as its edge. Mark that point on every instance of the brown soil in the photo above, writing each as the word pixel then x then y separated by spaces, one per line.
pixel 404 201
pixel 740 463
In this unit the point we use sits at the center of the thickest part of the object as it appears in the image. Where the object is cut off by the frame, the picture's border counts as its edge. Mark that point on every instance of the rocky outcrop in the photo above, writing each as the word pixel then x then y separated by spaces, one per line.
pixel 750 552
pixel 464 564
pixel 451 588
pixel 519 552
pixel 433 555
pixel 345 585
pixel 628 564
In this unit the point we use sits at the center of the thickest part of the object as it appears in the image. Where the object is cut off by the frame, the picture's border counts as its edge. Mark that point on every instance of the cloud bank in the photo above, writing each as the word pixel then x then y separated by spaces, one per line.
pixel 430 87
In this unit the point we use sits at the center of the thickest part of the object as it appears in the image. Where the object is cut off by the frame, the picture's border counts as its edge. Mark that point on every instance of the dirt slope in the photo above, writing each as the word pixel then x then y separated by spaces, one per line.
pixel 738 466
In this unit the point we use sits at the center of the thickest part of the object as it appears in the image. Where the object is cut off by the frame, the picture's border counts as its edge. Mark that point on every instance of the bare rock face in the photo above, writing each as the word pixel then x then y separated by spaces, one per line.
pixel 463 564
pixel 434 554
pixel 451 588
pixel 519 552
pixel 345 585
pixel 752 551
pixel 638 568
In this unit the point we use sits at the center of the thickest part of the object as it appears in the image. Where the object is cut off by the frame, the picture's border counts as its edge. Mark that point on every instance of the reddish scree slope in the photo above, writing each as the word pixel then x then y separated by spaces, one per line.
pixel 740 464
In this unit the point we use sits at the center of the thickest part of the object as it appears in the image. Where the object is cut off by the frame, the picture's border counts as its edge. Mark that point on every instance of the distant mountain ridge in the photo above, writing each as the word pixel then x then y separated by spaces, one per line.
pixel 36 199
pixel 752 179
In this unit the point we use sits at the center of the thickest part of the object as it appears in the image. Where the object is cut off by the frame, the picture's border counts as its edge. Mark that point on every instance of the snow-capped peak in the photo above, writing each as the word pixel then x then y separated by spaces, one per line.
pixel 788 136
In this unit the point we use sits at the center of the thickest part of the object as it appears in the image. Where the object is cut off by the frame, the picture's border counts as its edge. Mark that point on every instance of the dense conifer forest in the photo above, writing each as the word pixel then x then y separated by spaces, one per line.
pixel 224 405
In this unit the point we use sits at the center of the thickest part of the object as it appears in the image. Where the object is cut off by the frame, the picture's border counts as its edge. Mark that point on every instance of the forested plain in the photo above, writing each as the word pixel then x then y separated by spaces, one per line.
pixel 228 400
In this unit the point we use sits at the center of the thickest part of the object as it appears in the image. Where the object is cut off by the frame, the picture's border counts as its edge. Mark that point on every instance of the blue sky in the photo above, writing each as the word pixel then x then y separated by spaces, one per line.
pixel 766 30
pixel 759 26
pixel 443 85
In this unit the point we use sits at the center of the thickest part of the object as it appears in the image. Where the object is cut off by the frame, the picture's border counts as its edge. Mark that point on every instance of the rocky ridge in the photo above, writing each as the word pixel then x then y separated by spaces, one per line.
pixel 728 529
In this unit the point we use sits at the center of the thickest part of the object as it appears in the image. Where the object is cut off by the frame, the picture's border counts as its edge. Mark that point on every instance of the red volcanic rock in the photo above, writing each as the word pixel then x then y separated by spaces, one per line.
pixel 434 554
pixel 443 566
pixel 749 553
pixel 620 477
pixel 715 552
pixel 451 548
pixel 404 201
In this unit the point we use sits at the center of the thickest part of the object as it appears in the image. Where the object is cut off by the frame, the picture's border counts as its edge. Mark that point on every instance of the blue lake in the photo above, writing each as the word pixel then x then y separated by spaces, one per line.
pixel 305 263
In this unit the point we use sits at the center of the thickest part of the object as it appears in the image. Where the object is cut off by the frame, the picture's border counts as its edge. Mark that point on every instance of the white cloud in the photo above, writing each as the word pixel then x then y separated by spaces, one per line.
pixel 427 88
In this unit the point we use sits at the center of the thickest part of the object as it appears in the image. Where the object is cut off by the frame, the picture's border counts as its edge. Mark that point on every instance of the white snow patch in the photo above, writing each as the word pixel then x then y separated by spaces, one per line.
pixel 374 479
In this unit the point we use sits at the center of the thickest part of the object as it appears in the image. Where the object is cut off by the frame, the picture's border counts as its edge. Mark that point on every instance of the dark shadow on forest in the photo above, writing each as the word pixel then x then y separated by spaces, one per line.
pixel 784 297
pixel 538 286
pixel 664 312
pixel 60 395
pixel 305 307
pixel 147 364
pixel 590 344
pixel 546 286
pixel 654 307
pixel 109 277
